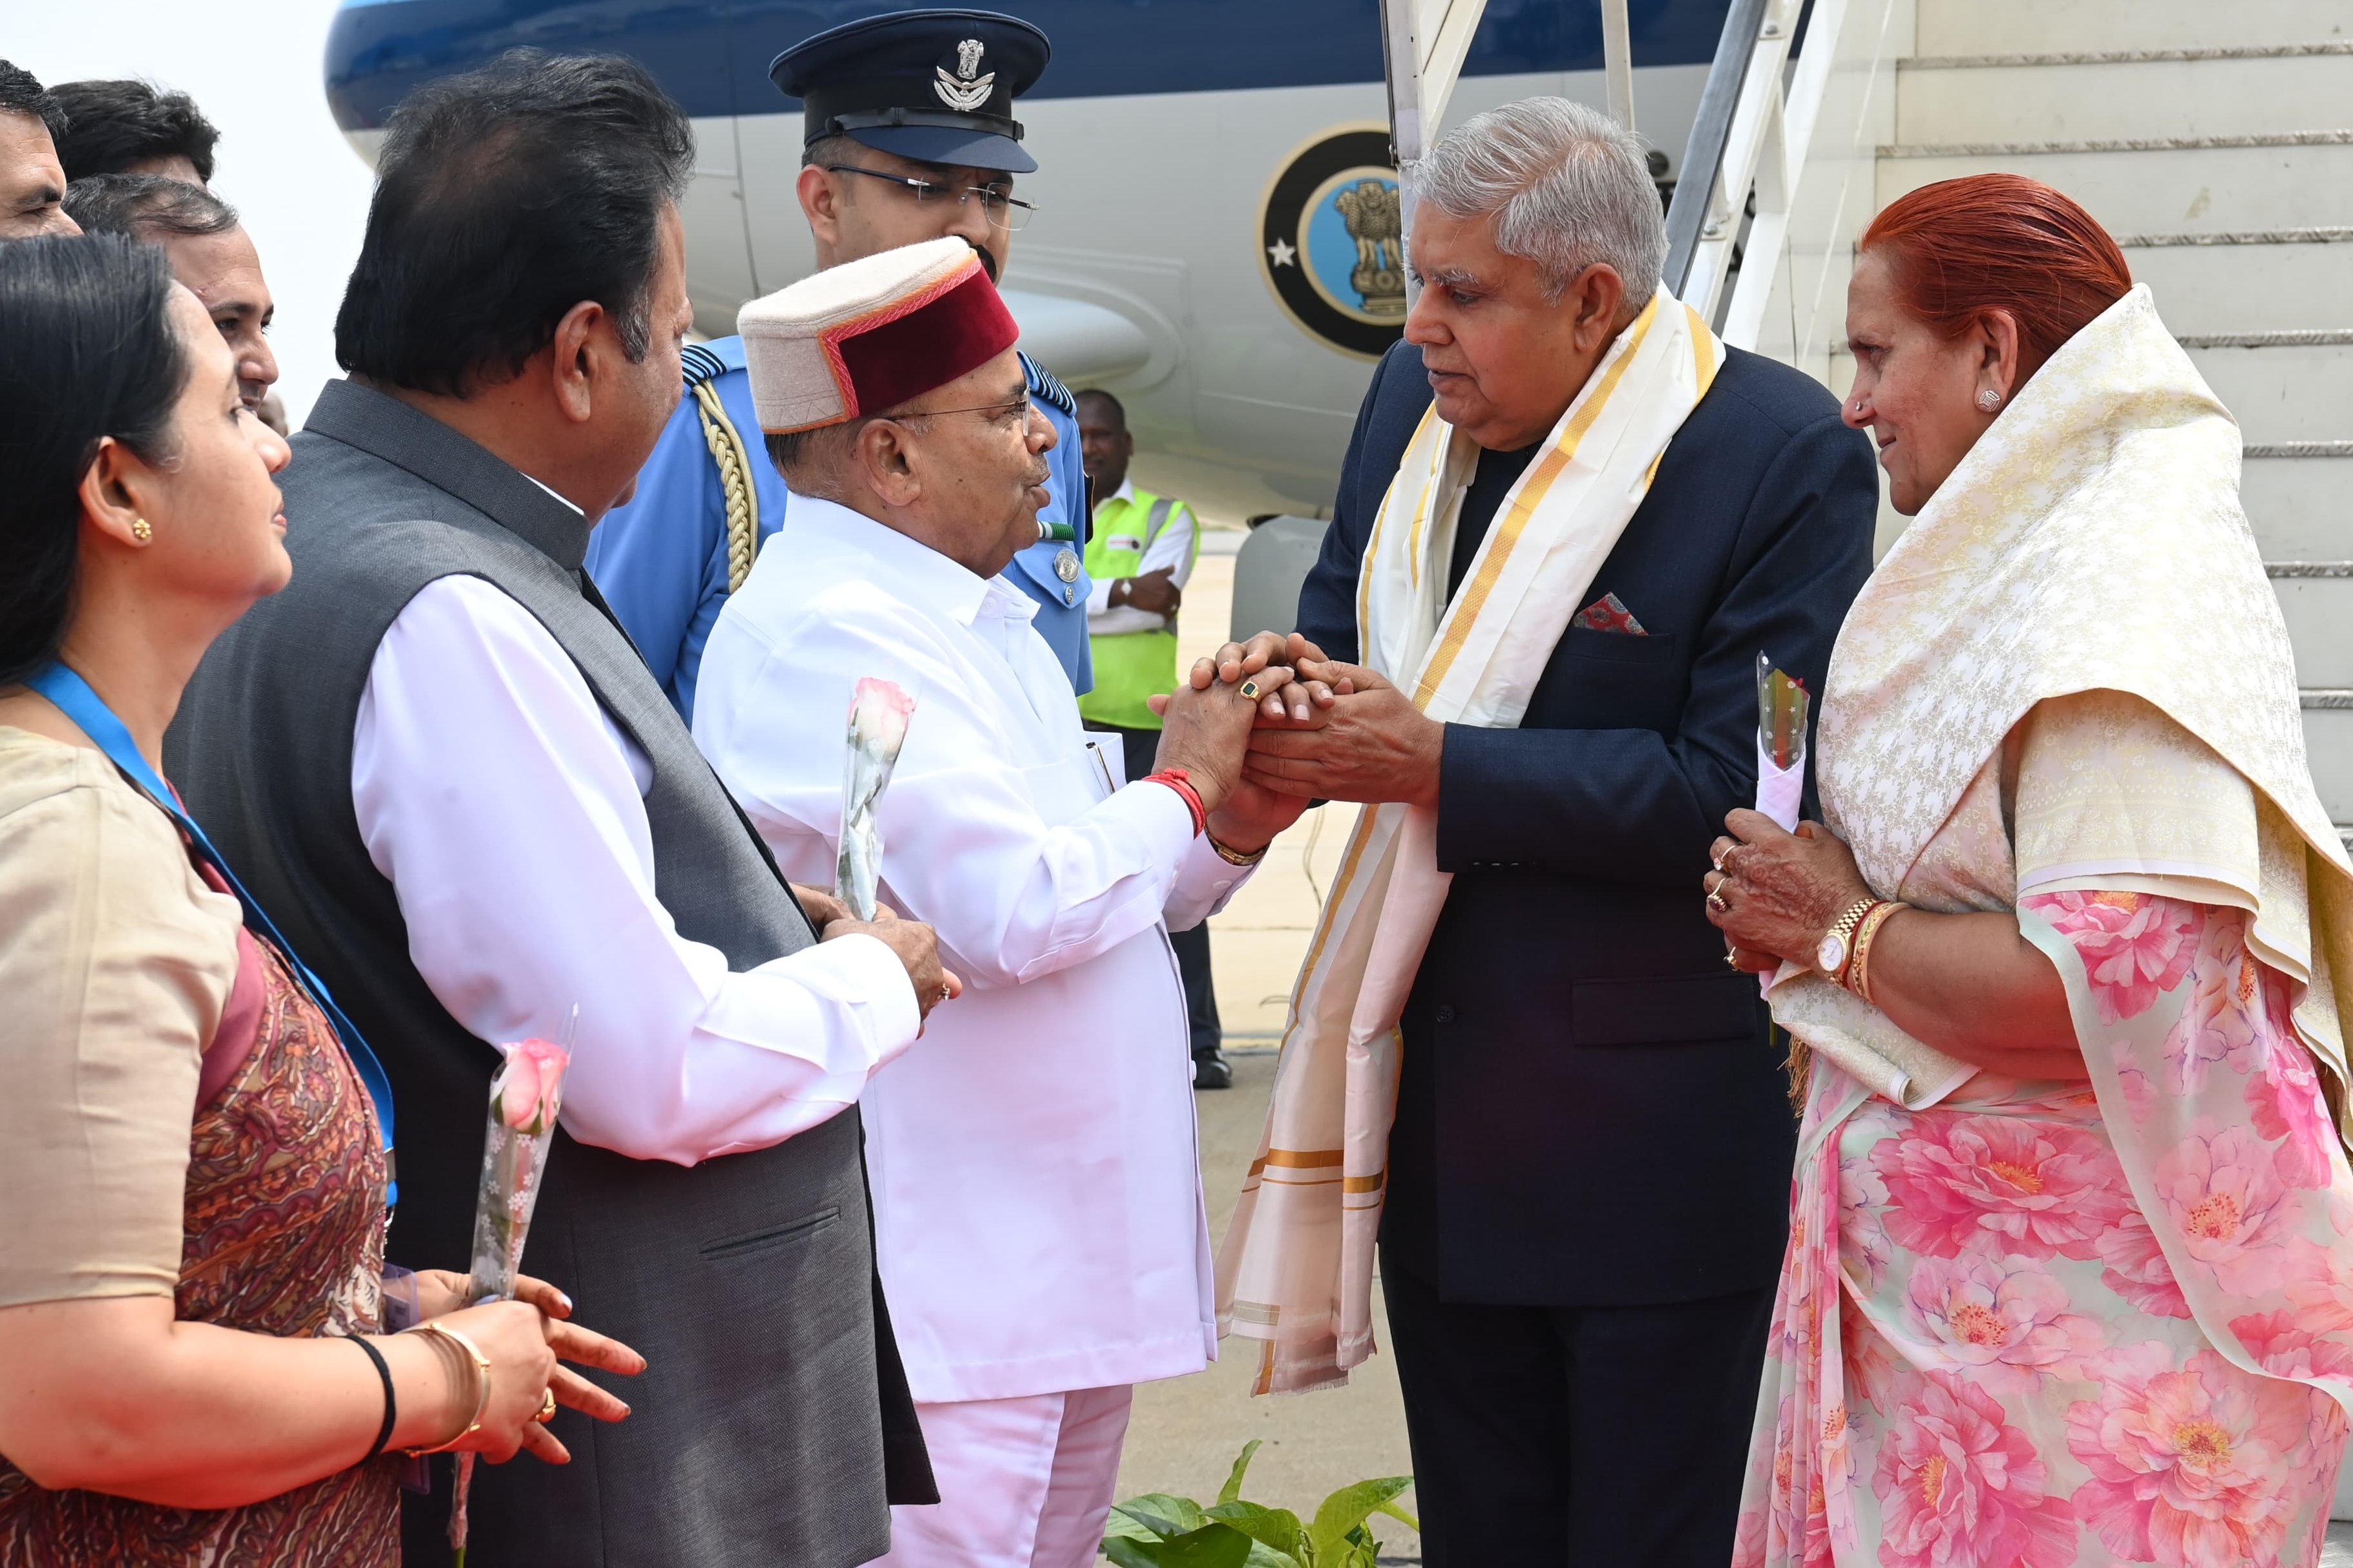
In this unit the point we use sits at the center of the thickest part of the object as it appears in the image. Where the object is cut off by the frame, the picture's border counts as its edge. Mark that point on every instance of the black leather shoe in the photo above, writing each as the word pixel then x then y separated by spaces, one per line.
pixel 1211 1070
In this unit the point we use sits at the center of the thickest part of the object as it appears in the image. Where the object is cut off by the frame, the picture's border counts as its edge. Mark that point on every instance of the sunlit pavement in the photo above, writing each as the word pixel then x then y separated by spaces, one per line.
pixel 1187 1430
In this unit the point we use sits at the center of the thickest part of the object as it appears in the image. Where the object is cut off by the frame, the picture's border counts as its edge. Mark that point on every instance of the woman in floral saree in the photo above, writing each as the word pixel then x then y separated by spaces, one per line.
pixel 2070 1273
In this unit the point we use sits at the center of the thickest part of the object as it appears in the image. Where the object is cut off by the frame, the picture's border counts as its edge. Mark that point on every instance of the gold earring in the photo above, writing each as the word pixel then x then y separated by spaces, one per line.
pixel 141 530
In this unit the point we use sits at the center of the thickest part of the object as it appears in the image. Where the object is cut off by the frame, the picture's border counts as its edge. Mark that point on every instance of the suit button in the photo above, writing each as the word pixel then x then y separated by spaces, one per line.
pixel 1443 1015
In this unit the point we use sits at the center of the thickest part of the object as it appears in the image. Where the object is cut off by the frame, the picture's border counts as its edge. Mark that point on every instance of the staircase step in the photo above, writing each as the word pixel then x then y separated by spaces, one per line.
pixel 2318 608
pixel 2328 746
pixel 1970 27
pixel 2211 184
pixel 2296 391
pixel 2299 506
pixel 2162 92
pixel 2203 288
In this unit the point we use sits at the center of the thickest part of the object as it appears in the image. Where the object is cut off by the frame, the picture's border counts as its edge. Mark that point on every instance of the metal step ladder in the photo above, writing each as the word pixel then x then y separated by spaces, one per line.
pixel 2216 143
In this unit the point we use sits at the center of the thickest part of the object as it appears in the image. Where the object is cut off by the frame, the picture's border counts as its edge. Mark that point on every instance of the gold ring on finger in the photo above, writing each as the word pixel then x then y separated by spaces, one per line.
pixel 546 1408
pixel 1716 901
pixel 1249 689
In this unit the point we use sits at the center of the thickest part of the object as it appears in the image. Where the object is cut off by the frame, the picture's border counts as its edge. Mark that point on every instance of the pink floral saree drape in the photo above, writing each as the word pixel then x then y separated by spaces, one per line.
pixel 2108 1321
pixel 1982 1354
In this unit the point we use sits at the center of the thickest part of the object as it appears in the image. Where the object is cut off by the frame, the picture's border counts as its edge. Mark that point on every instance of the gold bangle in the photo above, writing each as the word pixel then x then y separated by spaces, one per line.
pixel 1235 856
pixel 1858 971
pixel 481 1384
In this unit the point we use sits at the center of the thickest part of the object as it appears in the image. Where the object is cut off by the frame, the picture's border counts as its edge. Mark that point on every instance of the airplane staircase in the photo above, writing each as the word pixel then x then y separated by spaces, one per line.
pixel 2215 141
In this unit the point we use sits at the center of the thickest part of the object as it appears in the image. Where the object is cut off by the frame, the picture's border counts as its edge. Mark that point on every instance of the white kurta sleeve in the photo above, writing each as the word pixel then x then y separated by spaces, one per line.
pixel 507 812
pixel 1205 881
pixel 967 843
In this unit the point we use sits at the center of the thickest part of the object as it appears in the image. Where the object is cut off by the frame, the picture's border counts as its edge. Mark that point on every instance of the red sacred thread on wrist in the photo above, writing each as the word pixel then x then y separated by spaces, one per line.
pixel 1178 780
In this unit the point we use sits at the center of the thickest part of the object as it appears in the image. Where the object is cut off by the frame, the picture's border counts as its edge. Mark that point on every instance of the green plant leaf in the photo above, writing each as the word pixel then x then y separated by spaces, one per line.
pixel 1166 1516
pixel 1128 1553
pixel 1214 1545
pixel 1261 1555
pixel 1400 1515
pixel 1128 1526
pixel 1344 1510
pixel 1277 1528
pixel 1233 1486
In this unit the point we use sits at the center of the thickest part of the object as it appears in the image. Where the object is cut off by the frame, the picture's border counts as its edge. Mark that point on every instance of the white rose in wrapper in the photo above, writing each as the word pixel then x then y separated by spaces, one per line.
pixel 878 728
pixel 878 716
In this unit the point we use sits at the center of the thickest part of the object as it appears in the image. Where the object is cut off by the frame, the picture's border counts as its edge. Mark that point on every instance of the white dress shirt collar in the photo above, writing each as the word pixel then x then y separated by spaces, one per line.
pixel 916 573
pixel 1126 492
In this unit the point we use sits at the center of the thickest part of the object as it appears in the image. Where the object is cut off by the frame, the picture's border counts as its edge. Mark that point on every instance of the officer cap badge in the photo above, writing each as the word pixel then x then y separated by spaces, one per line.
pixel 961 89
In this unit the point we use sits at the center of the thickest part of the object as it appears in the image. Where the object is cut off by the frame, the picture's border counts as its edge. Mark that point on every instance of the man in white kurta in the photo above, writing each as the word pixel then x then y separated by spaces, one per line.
pixel 1038 1205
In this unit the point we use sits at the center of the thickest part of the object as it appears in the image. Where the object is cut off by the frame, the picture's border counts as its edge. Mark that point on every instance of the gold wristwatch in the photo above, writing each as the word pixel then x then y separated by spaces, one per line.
pixel 1830 956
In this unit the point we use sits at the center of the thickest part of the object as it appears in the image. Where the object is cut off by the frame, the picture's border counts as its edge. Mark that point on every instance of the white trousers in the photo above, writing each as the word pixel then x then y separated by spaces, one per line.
pixel 1024 1483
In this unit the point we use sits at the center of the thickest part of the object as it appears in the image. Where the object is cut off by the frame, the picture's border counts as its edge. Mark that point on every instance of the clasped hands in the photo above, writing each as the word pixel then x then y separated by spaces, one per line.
pixel 1324 728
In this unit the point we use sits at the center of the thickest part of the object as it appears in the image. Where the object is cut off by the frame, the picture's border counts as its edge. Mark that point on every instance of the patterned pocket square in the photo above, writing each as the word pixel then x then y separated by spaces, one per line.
pixel 1610 614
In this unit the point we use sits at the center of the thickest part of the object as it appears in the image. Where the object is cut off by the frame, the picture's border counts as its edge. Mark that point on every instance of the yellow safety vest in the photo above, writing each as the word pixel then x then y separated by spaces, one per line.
pixel 1130 666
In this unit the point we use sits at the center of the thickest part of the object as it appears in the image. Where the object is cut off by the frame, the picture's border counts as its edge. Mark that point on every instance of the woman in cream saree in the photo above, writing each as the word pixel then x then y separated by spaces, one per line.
pixel 2081 1293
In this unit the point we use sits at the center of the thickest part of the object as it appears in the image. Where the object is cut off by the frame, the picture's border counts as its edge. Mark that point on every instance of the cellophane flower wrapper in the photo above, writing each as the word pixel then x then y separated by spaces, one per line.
pixel 1783 705
pixel 525 1098
pixel 878 729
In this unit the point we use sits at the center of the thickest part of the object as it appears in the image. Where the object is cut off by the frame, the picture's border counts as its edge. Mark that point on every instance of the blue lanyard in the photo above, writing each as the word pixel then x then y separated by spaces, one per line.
pixel 77 702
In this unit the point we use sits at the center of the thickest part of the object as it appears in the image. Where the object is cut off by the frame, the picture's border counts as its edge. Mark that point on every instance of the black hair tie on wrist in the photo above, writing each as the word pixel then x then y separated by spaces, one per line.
pixel 391 1410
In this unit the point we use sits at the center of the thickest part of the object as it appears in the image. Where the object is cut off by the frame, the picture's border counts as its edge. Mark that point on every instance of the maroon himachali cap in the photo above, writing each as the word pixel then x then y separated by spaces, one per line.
pixel 870 334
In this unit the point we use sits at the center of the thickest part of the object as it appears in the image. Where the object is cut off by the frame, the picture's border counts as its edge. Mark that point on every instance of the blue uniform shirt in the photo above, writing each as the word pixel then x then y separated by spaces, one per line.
pixel 660 560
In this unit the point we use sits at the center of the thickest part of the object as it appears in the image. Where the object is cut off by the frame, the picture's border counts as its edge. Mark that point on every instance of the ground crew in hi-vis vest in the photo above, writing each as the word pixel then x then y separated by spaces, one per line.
pixel 1139 555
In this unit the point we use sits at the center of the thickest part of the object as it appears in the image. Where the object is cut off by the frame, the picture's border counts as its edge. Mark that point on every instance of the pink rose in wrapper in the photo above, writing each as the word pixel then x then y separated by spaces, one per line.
pixel 530 1085
pixel 878 715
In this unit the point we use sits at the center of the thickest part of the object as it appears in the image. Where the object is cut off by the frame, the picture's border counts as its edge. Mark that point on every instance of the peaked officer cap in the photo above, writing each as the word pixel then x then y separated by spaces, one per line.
pixel 936 86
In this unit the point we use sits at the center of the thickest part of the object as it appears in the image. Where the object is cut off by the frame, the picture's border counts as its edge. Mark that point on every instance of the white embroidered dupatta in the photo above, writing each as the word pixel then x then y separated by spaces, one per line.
pixel 2092 540
pixel 1296 1269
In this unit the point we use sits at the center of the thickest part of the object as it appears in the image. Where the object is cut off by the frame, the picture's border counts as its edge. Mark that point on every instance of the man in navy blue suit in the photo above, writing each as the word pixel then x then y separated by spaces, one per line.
pixel 1589 1171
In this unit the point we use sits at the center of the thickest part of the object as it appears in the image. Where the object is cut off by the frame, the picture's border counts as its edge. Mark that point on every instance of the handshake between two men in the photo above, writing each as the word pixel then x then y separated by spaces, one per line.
pixel 1320 729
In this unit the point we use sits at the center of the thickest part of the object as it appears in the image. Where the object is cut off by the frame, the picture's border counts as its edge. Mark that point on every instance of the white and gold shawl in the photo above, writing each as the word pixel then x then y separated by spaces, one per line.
pixel 1296 1269
pixel 2090 541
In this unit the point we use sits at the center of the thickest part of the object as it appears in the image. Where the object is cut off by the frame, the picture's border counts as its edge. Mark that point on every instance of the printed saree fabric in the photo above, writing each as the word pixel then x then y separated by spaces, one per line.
pixel 284 1235
pixel 2111 1320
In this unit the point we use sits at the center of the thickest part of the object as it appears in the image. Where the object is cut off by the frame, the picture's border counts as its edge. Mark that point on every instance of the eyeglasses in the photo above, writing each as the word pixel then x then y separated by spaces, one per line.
pixel 997 410
pixel 1003 211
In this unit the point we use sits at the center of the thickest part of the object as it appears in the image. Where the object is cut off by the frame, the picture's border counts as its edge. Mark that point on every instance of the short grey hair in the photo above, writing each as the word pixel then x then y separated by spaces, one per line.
pixel 811 461
pixel 1568 186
